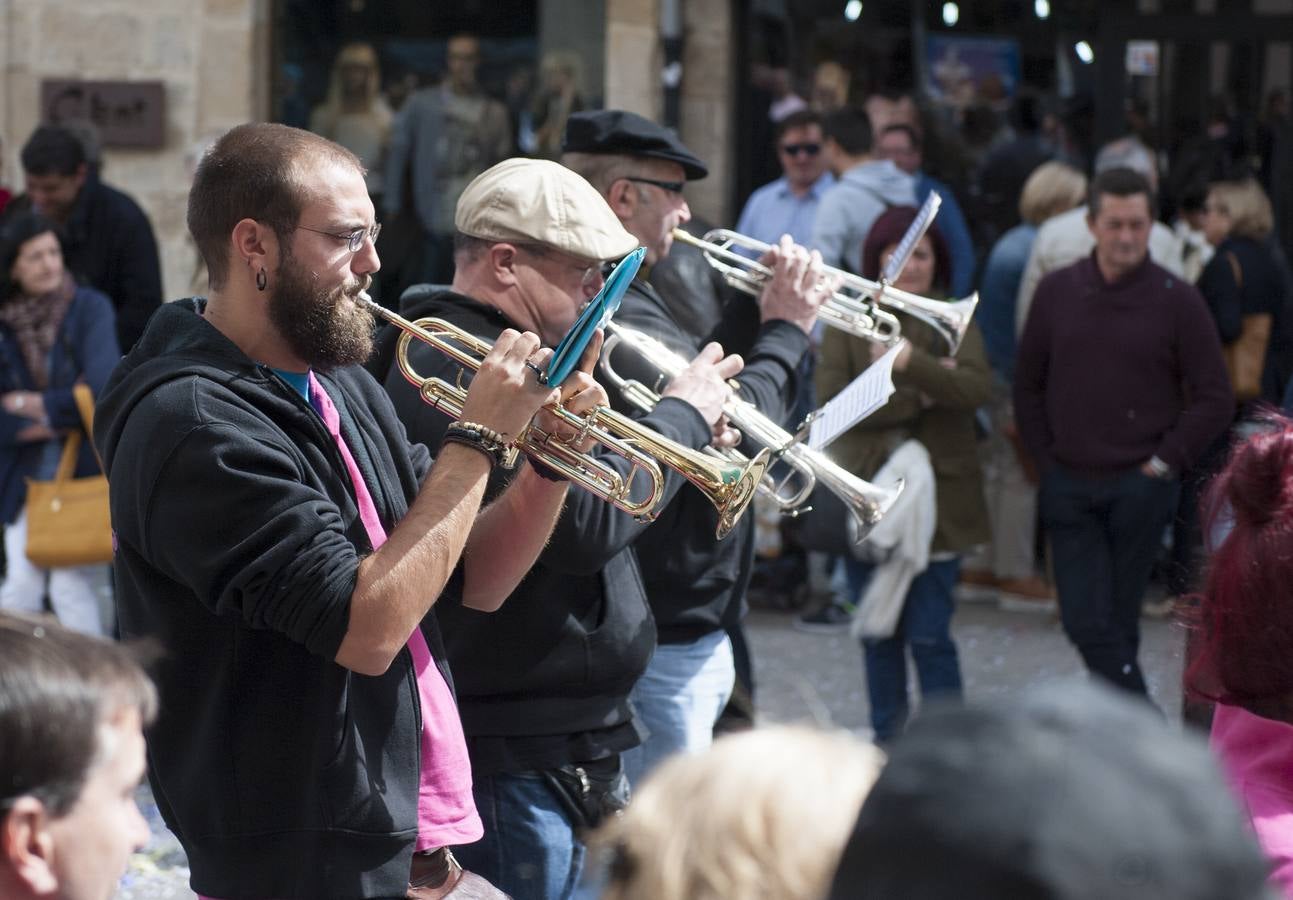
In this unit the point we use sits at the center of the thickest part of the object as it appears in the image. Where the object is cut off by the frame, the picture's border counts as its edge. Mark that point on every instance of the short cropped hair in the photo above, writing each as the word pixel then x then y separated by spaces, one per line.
pixel 1247 206
pixel 800 118
pixel 53 150
pixel 1053 188
pixel 255 171
pixel 1118 183
pixel 57 687
pixel 849 127
pixel 762 813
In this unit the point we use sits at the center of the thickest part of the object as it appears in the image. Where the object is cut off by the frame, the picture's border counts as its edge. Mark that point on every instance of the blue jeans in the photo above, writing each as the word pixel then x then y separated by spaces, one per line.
pixel 925 626
pixel 1105 534
pixel 529 849
pixel 678 699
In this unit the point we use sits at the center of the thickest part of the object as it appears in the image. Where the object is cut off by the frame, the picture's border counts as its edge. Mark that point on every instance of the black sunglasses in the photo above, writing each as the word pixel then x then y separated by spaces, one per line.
pixel 796 149
pixel 673 187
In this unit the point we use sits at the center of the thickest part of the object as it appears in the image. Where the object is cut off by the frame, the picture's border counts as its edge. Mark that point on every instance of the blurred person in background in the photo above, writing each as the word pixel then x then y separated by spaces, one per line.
pixel 1245 294
pixel 760 814
pixel 108 243
pixel 53 334
pixel 443 137
pixel 355 114
pixel 72 712
pixel 1119 387
pixel 1010 481
pixel 934 405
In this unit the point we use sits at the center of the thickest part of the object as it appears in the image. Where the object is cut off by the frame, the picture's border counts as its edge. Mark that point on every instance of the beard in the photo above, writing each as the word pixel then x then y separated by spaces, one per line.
pixel 326 327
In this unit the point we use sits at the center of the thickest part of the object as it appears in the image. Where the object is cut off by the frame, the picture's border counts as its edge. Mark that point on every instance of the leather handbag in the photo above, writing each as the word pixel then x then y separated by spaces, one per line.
pixel 1246 355
pixel 67 519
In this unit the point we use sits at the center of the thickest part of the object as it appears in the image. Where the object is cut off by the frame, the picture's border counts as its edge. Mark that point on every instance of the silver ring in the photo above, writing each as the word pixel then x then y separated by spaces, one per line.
pixel 538 373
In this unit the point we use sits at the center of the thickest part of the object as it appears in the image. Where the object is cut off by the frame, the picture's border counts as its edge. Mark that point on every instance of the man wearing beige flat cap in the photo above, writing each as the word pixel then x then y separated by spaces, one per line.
pixel 543 684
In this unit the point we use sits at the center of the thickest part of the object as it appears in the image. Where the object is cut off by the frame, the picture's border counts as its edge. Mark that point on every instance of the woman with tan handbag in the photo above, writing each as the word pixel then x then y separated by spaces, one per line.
pixel 53 335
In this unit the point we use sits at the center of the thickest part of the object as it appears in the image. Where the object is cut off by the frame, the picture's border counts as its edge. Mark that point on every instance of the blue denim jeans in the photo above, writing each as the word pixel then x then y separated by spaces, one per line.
pixel 529 849
pixel 678 699
pixel 925 627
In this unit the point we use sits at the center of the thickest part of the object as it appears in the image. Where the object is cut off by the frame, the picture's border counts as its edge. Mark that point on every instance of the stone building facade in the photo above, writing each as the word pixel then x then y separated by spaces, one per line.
pixel 210 55
pixel 213 57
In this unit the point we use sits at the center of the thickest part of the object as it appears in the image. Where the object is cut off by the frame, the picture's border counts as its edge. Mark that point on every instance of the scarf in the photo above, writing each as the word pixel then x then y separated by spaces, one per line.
pixel 35 322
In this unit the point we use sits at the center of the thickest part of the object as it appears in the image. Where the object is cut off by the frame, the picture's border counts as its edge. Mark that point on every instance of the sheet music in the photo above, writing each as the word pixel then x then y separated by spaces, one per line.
pixel 863 396
pixel 915 231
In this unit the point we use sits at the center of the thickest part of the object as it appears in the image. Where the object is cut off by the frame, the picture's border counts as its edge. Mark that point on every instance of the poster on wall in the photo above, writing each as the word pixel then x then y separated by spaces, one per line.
pixel 964 71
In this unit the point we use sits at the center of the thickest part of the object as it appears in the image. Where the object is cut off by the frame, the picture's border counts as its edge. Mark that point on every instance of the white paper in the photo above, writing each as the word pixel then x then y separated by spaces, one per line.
pixel 863 396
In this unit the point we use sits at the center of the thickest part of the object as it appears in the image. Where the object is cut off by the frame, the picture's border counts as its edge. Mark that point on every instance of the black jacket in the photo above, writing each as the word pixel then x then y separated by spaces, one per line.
pixel 696 584
pixel 108 245
pixel 545 680
pixel 282 773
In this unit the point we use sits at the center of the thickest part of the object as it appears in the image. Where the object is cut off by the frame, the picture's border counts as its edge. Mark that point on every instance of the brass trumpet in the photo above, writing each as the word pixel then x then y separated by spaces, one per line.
pixel 730 488
pixel 867 502
pixel 854 308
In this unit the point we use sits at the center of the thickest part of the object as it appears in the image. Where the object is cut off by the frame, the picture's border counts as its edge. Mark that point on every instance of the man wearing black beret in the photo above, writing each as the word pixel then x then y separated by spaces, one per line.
pixel 694 583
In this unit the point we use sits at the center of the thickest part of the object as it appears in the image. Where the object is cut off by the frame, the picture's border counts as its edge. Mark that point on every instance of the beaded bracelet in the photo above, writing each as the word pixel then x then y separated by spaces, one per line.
pixel 479 438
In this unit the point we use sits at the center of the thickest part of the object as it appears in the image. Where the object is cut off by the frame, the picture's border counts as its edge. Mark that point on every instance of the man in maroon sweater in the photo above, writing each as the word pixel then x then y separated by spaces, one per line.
pixel 1119 386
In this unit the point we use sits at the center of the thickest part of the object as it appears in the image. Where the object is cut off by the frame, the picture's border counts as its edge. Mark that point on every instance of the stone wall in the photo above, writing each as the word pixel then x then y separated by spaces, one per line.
pixel 211 55
pixel 633 64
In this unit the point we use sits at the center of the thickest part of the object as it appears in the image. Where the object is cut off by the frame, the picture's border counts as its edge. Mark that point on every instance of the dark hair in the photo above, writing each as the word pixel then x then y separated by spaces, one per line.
pixel 1245 622
pixel 800 118
pixel 53 150
pixel 1119 182
pixel 888 230
pixel 15 231
pixel 57 687
pixel 849 127
pixel 256 171
pixel 912 134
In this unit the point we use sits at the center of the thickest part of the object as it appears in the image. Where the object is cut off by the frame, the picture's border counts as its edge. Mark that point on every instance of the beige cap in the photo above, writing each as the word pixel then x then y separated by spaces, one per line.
pixel 539 201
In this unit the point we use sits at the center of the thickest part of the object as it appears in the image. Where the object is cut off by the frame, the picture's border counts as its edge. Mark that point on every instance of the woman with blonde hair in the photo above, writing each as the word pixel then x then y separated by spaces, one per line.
pixel 1008 567
pixel 762 813
pixel 355 114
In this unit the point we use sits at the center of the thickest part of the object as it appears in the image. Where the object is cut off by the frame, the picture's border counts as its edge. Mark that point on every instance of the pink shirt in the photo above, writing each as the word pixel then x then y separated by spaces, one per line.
pixel 446 811
pixel 1257 757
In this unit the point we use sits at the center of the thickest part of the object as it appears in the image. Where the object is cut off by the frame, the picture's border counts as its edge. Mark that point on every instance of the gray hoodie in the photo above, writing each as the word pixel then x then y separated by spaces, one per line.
pixel 852 204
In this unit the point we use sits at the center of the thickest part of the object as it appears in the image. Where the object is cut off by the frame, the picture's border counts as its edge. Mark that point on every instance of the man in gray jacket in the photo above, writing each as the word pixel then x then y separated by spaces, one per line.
pixel 866 188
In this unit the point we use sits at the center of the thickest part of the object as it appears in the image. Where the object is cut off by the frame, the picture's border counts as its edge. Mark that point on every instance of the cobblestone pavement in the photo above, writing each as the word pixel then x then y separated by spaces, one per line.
pixel 818 678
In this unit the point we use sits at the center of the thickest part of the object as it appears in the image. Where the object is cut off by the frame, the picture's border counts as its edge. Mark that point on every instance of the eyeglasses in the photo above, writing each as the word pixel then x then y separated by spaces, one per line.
pixel 673 187
pixel 796 149
pixel 354 239
pixel 590 274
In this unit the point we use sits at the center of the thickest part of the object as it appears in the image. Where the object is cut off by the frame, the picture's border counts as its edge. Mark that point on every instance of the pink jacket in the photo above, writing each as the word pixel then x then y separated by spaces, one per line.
pixel 1257 756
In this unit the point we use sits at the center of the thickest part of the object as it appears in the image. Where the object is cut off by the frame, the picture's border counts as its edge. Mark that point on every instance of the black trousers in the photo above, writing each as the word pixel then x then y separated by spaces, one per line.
pixel 1105 533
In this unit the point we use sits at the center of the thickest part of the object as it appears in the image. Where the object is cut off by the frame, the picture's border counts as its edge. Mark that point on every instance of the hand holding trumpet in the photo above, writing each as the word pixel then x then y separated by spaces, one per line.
pixel 704 384
pixel 798 286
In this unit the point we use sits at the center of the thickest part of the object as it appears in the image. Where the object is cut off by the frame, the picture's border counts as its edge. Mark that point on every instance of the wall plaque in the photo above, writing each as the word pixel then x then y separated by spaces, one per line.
pixel 126 113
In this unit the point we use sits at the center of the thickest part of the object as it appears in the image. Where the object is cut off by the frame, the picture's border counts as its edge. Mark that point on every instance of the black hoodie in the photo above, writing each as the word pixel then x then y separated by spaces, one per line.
pixel 238 542
pixel 545 680
pixel 695 583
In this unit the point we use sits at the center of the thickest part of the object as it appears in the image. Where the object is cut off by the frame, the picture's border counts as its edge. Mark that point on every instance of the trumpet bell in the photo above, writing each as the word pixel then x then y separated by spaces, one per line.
pixel 738 490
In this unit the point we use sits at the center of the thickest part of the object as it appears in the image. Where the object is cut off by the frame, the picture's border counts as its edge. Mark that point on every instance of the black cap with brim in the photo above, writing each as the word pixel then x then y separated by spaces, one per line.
pixel 619 131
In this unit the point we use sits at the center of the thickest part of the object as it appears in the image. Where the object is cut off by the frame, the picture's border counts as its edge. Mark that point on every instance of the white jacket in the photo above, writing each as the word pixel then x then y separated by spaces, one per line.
pixel 901 539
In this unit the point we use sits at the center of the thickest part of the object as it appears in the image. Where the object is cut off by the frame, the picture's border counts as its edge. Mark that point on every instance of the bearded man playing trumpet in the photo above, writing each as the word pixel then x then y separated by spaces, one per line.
pixel 282 540
pixel 543 683
pixel 695 585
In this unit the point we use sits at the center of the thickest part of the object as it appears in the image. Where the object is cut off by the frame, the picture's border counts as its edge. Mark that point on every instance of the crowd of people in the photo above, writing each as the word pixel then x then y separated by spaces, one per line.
pixel 398 653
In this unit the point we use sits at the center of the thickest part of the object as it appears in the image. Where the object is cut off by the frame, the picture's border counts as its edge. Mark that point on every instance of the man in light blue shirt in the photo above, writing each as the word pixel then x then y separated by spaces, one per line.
pixel 789 204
